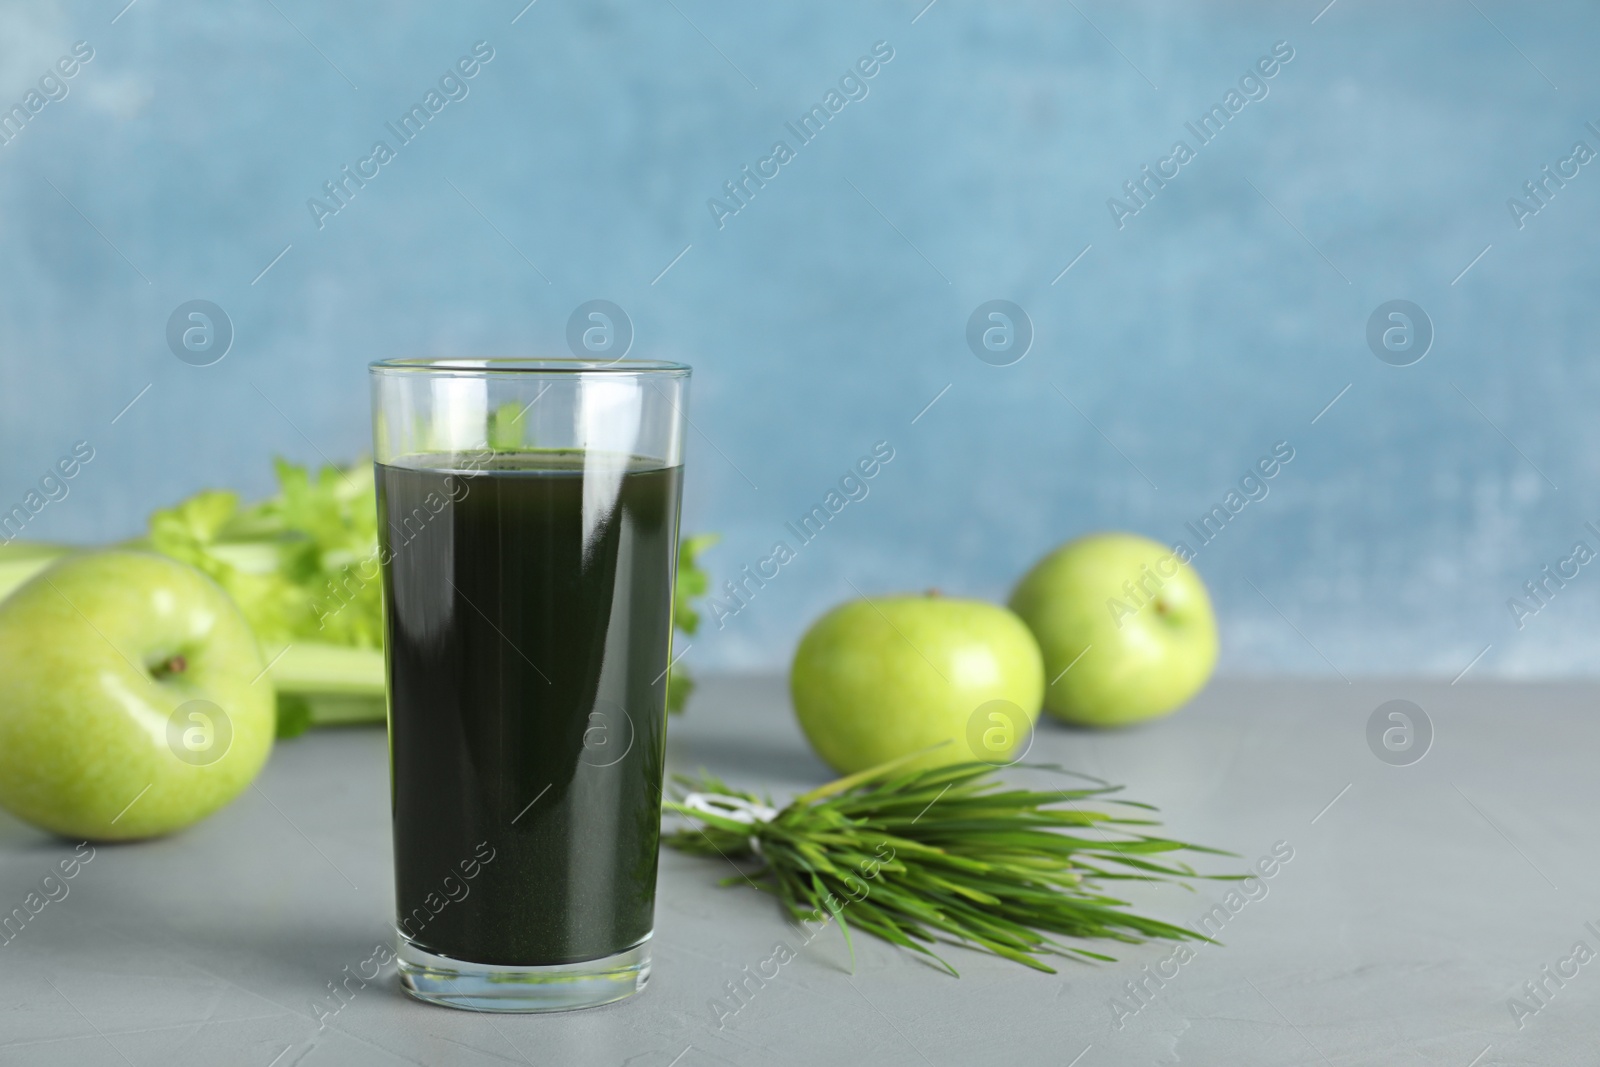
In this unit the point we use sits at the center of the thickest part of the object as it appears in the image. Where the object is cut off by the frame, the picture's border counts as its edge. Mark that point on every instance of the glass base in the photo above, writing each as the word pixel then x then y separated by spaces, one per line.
pixel 510 988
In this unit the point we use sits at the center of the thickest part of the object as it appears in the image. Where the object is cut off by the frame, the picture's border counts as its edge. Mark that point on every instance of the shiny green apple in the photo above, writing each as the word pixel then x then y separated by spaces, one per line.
pixel 131 698
pixel 874 680
pixel 1125 626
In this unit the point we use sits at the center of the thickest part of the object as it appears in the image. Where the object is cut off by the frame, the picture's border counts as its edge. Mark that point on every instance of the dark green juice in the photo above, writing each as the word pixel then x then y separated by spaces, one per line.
pixel 529 624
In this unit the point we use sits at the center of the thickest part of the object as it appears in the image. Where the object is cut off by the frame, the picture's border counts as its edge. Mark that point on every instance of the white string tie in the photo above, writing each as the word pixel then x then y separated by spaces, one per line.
pixel 738 809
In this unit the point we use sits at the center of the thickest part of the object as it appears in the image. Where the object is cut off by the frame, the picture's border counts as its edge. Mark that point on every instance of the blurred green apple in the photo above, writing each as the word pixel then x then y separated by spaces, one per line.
pixel 874 680
pixel 1126 629
pixel 131 698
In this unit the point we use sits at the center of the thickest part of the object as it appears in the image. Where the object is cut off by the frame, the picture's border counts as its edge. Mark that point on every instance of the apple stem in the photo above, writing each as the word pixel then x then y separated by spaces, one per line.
pixel 933 592
pixel 175 664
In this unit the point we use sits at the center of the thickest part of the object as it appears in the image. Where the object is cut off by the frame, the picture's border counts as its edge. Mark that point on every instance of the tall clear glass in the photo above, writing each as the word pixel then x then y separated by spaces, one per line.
pixel 528 523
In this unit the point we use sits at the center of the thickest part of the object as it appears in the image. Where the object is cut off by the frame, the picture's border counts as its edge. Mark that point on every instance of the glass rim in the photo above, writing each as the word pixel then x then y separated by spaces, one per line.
pixel 525 365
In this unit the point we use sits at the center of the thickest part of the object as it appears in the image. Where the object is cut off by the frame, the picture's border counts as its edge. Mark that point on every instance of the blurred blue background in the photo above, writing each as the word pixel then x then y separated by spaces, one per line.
pixel 823 317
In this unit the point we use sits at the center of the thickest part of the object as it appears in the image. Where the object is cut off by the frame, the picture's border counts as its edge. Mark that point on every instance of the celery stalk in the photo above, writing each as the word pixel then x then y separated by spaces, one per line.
pixel 21 560
pixel 307 667
pixel 320 684
pixel 327 710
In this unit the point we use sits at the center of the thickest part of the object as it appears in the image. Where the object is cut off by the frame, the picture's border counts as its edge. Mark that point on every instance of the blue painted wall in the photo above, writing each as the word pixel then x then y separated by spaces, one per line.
pixel 1216 321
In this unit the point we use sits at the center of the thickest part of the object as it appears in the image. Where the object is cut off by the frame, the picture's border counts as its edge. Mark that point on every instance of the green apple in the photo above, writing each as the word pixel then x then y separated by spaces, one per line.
pixel 1125 626
pixel 132 701
pixel 874 680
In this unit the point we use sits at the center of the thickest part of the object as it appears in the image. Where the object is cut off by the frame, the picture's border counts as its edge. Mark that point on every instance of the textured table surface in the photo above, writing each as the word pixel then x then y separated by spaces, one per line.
pixel 1418 903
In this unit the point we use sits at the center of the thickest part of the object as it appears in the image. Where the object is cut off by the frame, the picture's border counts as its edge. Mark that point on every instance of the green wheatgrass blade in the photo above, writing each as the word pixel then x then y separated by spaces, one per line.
pixel 948 855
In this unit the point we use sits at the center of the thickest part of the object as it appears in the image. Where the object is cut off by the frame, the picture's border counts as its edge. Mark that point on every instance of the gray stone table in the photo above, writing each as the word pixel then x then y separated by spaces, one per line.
pixel 1418 902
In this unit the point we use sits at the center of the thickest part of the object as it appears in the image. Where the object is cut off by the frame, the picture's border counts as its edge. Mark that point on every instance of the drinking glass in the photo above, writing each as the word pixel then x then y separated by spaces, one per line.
pixel 528 527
